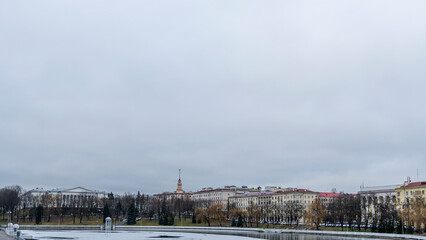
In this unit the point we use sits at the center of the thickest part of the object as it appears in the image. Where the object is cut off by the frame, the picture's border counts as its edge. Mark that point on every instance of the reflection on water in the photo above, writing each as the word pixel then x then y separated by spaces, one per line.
pixel 140 235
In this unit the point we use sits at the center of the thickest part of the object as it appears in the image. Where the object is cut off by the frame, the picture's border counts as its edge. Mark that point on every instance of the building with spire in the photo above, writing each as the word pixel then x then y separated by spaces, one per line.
pixel 179 193
pixel 179 189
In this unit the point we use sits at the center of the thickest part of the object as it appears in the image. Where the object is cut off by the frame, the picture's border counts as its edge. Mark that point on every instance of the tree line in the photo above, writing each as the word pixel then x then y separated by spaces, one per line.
pixel 16 206
pixel 354 211
pixel 344 211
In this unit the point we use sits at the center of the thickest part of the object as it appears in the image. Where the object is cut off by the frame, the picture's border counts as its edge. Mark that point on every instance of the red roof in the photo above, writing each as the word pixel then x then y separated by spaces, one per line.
pixel 326 194
pixel 416 184
pixel 296 190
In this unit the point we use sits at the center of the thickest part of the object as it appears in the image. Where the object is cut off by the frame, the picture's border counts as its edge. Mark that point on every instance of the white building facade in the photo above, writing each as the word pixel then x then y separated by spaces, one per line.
pixel 275 205
pixel 372 197
pixel 64 197
pixel 209 196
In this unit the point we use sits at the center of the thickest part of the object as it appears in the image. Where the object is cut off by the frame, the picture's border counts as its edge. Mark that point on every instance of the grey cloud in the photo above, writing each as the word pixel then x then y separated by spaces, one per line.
pixel 117 96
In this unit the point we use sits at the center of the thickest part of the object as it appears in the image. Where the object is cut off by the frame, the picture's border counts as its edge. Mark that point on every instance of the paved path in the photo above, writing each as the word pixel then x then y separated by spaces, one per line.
pixel 4 236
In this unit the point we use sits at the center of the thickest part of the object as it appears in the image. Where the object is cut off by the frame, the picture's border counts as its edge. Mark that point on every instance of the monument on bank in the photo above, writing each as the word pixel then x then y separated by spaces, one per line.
pixel 108 225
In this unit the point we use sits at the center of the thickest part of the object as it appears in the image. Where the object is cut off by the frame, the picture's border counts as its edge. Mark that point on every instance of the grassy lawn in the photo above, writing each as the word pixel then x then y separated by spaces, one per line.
pixel 68 220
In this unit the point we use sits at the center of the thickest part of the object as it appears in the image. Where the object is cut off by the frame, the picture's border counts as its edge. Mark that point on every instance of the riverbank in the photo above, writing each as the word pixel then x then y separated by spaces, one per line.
pixel 224 231
pixel 4 236
pixel 187 222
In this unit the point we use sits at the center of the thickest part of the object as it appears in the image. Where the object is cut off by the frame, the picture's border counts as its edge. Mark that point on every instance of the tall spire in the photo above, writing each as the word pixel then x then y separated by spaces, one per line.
pixel 179 189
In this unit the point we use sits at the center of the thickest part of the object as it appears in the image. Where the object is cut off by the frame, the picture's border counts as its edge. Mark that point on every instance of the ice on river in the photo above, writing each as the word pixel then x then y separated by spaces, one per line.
pixel 127 235
pixel 152 235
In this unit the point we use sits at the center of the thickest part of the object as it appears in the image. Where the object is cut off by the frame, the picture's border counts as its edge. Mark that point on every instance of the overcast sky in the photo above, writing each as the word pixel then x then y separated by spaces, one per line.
pixel 118 95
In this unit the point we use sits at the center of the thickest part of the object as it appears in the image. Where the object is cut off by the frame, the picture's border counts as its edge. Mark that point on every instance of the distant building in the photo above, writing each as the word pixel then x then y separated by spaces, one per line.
pixel 179 193
pixel 372 197
pixel 64 197
pixel 244 201
pixel 411 197
pixel 409 191
pixel 275 204
pixel 272 189
pixel 302 197
pixel 209 196
pixel 326 198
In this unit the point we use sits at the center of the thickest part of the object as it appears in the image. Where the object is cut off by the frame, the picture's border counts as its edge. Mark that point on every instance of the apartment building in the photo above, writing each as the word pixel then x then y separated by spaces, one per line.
pixel 280 206
pixel 326 198
pixel 410 192
pixel 411 198
pixel 244 201
pixel 209 196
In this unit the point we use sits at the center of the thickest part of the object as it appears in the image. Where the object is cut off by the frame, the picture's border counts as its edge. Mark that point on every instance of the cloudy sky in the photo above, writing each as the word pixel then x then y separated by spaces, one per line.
pixel 118 95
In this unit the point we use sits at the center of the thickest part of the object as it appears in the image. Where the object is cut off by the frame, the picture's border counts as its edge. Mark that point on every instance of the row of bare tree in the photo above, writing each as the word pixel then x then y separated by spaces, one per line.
pixel 382 216
pixel 9 201
pixel 346 210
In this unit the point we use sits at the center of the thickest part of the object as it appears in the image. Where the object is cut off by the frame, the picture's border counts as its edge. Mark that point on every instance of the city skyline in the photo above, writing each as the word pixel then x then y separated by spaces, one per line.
pixel 180 189
pixel 306 94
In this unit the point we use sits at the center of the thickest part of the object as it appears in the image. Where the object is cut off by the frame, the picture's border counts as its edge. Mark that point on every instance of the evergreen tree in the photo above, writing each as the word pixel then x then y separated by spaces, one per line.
pixel 390 228
pixel 106 212
pixel 39 214
pixel 194 218
pixel 382 225
pixel 374 225
pixel 166 218
pixel 33 212
pixel 233 223
pixel 240 222
pixel 171 219
pixel 410 229
pixel 111 196
pixel 138 200
pixel 131 214
pixel 399 227
pixel 118 209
